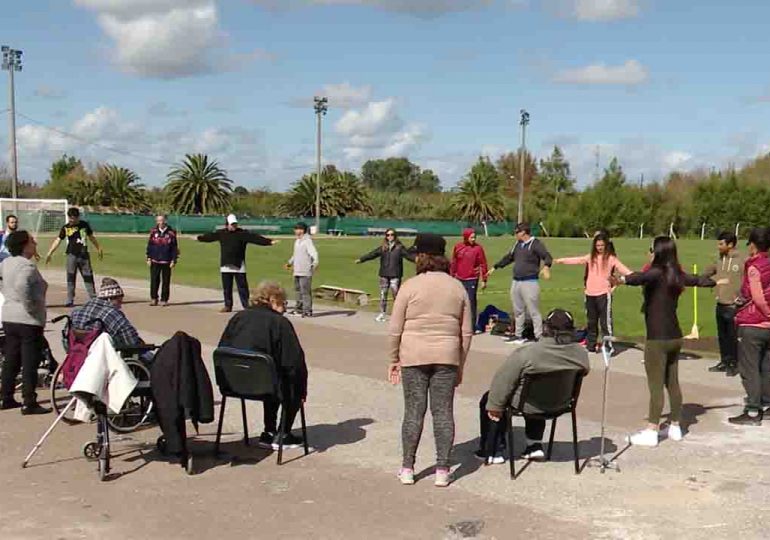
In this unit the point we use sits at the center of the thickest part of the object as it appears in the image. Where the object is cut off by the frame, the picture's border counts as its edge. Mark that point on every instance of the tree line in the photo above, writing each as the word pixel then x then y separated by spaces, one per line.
pixel 397 188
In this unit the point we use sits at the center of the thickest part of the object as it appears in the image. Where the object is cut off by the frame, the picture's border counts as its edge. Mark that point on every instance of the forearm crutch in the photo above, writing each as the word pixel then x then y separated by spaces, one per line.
pixel 48 432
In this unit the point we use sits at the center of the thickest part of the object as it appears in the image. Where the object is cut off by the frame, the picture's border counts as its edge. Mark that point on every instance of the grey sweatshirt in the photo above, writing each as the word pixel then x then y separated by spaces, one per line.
pixel 305 257
pixel 545 356
pixel 24 291
pixel 526 258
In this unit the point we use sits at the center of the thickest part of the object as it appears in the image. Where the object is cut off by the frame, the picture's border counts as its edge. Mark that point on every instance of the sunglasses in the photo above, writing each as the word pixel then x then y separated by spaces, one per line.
pixel 390 234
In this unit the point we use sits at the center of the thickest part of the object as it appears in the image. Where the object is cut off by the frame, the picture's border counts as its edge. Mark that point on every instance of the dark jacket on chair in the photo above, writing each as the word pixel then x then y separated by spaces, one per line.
pixel 181 388
pixel 263 330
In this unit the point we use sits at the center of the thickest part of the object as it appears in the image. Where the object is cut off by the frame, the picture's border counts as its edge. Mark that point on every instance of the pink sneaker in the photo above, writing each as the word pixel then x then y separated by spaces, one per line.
pixel 442 477
pixel 406 476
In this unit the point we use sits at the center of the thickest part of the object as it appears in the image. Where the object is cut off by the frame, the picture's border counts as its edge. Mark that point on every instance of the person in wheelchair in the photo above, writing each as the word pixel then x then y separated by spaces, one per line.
pixel 263 328
pixel 557 351
pixel 107 308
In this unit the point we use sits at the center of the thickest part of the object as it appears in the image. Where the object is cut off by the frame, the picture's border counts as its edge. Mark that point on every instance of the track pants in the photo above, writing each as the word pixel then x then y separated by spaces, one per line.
pixel 661 362
pixel 525 296
pixel 471 287
pixel 227 288
pixel 291 403
pixel 23 352
pixel 598 313
pixel 160 278
pixel 754 365
pixel 419 382
pixel 303 286
pixel 82 264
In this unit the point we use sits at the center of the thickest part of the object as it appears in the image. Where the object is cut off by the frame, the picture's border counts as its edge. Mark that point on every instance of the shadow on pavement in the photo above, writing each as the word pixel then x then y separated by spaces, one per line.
pixel 322 437
pixel 333 313
pixel 691 411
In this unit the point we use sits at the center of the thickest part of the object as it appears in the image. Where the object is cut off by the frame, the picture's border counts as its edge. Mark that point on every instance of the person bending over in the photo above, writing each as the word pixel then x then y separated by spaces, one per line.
pixel 107 308
pixel 263 328
pixel 557 351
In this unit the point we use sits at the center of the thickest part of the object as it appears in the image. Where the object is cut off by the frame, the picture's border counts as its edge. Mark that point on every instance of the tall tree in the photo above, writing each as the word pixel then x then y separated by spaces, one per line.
pixel 478 198
pixel 508 167
pixel 121 188
pixel 342 193
pixel 198 186
pixel 554 177
pixel 398 175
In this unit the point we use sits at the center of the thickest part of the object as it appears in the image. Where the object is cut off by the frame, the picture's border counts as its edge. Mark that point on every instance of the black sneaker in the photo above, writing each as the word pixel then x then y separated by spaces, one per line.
pixel 266 440
pixel 747 419
pixel 34 408
pixel 721 367
pixel 308 315
pixel 8 404
pixel 731 371
pixel 289 441
pixel 534 452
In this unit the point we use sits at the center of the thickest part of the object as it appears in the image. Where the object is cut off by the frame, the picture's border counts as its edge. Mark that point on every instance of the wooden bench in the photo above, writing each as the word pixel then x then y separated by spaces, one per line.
pixel 342 294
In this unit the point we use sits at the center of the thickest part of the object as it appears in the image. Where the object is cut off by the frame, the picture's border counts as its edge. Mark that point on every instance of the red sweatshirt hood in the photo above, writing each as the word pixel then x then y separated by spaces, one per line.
pixel 467 234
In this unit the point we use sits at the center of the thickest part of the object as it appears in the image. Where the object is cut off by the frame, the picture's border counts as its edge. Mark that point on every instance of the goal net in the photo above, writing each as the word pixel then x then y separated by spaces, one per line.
pixel 39 216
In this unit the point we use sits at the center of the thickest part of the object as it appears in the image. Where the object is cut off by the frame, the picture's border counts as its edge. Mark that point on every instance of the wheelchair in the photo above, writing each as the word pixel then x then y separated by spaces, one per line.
pixel 136 411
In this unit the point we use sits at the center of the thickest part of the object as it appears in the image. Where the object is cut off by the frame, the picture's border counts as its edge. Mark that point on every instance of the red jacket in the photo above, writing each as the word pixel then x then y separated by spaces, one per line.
pixel 755 289
pixel 469 262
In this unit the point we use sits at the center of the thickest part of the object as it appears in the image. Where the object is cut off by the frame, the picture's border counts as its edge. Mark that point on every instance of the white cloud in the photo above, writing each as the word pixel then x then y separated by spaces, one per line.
pixel 377 130
pixel 424 8
pixel 630 73
pixel 605 10
pixel 341 96
pixel 166 38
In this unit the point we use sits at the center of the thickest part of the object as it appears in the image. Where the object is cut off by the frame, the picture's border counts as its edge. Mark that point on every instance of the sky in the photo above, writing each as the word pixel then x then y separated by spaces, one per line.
pixel 661 85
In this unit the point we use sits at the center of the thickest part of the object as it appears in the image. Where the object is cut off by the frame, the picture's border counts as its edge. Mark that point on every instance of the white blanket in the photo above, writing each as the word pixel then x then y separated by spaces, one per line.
pixel 105 376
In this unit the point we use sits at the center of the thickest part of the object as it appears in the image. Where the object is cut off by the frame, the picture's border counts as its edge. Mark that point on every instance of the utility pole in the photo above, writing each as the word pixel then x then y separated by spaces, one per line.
pixel 321 106
pixel 12 63
pixel 596 169
pixel 523 123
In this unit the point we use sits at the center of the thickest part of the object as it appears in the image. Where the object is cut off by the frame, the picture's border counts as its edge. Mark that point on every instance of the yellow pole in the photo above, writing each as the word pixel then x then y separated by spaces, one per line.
pixel 694 332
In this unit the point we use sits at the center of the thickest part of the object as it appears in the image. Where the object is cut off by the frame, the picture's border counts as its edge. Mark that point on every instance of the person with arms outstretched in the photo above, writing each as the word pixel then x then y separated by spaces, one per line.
pixel 77 233
pixel 232 245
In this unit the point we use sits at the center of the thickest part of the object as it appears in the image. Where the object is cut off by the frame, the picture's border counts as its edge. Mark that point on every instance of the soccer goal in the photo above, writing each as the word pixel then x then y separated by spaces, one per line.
pixel 38 216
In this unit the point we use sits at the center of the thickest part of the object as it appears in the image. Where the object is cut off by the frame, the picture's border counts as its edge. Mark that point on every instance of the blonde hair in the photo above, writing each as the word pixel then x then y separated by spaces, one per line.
pixel 266 292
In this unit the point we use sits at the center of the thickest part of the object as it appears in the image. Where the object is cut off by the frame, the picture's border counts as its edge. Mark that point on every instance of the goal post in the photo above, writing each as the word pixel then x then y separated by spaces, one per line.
pixel 35 215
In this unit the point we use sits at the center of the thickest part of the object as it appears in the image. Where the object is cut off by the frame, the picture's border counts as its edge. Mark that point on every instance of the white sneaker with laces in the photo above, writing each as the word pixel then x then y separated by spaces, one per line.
pixel 442 478
pixel 381 318
pixel 675 432
pixel 645 437
pixel 406 476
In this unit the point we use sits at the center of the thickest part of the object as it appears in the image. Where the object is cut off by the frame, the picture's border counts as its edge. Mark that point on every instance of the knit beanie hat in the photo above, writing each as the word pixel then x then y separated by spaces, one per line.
pixel 110 289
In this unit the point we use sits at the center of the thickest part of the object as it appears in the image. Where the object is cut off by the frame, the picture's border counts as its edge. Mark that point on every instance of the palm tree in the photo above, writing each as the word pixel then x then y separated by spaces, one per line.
pixel 198 186
pixel 120 188
pixel 341 193
pixel 478 198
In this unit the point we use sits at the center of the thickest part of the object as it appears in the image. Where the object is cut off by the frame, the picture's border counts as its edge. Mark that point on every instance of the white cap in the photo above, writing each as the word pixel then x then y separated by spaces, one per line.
pixel 231 219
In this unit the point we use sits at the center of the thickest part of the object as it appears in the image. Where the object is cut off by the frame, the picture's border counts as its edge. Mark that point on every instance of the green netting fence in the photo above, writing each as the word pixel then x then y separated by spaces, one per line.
pixel 347 226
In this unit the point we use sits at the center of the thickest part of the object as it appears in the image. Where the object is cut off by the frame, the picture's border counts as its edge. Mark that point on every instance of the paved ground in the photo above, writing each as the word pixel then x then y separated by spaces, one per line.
pixel 713 483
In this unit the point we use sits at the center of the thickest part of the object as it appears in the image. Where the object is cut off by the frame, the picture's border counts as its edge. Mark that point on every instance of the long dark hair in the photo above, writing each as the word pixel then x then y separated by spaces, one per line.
pixel 609 248
pixel 665 258
pixel 396 241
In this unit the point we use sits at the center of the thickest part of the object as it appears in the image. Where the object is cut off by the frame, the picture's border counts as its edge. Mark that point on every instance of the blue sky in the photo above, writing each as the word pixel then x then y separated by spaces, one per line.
pixel 659 84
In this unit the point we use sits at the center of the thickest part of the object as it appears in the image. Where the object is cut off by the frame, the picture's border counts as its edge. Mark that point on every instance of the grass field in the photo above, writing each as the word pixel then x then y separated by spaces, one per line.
pixel 199 266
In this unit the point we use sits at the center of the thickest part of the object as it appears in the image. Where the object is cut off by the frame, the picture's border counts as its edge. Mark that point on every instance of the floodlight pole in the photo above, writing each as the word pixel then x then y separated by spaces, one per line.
pixel 320 106
pixel 523 123
pixel 12 63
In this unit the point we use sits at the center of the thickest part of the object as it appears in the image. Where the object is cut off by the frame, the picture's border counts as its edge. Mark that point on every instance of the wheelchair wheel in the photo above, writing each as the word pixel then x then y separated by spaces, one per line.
pixel 60 396
pixel 137 406
pixel 91 451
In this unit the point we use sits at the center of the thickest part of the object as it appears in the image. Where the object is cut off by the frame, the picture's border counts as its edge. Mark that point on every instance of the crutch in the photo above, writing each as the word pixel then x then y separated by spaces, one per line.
pixel 48 432
pixel 601 460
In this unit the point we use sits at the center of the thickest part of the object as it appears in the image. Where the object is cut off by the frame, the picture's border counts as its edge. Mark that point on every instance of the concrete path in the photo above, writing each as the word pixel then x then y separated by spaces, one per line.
pixel 713 483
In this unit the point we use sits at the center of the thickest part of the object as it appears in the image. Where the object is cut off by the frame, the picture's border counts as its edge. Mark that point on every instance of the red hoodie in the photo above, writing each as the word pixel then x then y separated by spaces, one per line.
pixel 468 261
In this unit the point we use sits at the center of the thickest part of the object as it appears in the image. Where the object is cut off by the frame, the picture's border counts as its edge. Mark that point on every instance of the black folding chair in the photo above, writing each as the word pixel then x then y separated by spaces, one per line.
pixel 250 375
pixel 546 396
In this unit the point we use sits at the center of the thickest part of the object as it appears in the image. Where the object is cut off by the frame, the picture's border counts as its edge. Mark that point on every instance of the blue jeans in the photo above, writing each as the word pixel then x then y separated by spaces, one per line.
pixel 471 287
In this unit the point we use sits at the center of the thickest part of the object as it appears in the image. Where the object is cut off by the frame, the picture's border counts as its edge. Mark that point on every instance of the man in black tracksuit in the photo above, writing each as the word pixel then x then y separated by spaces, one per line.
pixel 232 244
pixel 162 256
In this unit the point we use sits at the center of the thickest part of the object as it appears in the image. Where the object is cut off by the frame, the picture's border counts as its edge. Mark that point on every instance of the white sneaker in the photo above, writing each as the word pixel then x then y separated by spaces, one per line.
pixel 406 476
pixel 381 318
pixel 442 478
pixel 675 432
pixel 645 437
pixel 518 342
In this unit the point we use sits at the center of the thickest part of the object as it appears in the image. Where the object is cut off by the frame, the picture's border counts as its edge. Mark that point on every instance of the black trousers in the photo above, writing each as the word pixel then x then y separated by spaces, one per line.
pixel 160 277
pixel 292 402
pixel 227 288
pixel 598 313
pixel 23 352
pixel 728 334
pixel 471 287
pixel 754 365
pixel 533 428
